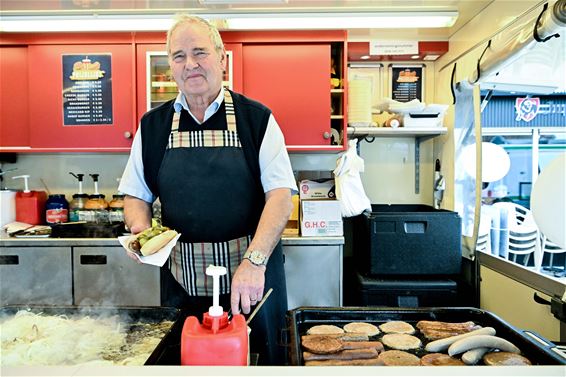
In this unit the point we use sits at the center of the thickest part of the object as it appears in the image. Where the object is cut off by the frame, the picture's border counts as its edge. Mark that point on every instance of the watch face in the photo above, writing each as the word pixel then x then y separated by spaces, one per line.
pixel 256 257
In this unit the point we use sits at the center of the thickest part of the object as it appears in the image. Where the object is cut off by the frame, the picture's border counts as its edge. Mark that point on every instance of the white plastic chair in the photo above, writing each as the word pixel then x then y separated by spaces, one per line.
pixel 548 247
pixel 522 233
pixel 483 242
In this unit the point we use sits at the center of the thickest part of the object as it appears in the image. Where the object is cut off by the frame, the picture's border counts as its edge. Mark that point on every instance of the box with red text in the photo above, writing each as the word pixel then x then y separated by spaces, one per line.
pixel 321 218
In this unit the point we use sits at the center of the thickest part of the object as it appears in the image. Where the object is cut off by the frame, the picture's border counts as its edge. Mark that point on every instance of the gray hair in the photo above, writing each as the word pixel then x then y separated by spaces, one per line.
pixel 183 19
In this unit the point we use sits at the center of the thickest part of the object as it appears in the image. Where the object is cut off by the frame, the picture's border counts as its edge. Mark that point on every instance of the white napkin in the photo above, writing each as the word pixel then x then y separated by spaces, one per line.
pixel 156 259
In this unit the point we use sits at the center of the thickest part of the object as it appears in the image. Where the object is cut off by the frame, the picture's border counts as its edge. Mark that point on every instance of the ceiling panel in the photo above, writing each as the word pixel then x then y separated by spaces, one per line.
pixel 467 9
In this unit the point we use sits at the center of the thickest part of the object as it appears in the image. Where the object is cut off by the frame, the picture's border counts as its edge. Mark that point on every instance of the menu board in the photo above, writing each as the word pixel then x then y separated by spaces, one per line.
pixel 406 83
pixel 87 90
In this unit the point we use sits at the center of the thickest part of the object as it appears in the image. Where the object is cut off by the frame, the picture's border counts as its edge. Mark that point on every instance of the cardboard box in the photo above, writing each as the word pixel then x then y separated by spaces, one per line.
pixel 292 227
pixel 318 189
pixel 321 218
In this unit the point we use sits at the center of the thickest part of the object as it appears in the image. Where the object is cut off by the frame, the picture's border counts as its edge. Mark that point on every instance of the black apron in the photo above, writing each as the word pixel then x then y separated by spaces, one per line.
pixel 209 194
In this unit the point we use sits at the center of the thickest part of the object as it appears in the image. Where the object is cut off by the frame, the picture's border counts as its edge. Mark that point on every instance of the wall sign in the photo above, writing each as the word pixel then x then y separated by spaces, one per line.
pixel 406 82
pixel 379 47
pixel 87 89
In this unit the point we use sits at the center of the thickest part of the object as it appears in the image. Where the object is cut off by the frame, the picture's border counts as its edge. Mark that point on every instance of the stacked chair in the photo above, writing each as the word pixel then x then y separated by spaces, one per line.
pixel 521 232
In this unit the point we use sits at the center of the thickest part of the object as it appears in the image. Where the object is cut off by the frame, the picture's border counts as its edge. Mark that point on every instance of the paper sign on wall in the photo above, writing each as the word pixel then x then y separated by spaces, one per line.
pixel 87 89
pixel 379 47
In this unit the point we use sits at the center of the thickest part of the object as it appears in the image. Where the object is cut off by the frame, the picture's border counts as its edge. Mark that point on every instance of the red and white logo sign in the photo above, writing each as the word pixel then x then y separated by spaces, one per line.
pixel 527 108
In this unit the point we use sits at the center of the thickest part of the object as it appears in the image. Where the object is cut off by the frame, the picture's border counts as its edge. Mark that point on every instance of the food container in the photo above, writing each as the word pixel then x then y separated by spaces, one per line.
pixel 129 317
pixel 537 349
pixel 407 239
pixel 56 209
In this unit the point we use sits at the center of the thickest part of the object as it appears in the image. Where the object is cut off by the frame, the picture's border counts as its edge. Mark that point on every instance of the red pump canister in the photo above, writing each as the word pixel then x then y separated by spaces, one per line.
pixel 217 341
pixel 30 205
pixel 201 345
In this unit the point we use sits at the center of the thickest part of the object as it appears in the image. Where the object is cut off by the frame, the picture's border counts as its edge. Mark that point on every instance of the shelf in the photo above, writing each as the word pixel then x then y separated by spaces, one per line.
pixel 419 133
pixel 396 132
pixel 163 84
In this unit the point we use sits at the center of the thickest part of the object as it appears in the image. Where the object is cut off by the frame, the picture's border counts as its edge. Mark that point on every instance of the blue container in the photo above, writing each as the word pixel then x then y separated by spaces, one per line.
pixel 56 209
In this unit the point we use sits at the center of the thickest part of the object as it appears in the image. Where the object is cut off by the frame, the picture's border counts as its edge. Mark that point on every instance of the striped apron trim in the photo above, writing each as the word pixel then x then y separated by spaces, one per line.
pixel 207 138
pixel 188 263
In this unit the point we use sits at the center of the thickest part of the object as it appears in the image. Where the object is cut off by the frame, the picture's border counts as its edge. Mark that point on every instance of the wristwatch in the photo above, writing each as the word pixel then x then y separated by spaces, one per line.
pixel 256 257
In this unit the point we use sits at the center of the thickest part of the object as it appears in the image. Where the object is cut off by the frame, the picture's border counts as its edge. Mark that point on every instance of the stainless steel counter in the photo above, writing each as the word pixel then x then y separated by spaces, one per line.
pixel 6 241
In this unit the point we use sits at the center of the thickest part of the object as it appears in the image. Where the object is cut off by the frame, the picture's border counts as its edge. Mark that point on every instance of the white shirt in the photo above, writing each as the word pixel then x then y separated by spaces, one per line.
pixel 274 164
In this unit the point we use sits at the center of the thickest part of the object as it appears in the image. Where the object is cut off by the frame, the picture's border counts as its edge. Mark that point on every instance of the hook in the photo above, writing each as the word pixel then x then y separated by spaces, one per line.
pixel 479 62
pixel 535 30
pixel 452 76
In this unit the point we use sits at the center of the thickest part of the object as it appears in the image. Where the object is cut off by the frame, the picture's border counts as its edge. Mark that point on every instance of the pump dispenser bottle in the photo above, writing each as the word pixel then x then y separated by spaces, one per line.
pixel 96 206
pixel 79 200
pixel 30 205
pixel 217 341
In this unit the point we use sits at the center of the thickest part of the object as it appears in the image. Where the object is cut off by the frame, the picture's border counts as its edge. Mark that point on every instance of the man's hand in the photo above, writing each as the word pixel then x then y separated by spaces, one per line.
pixel 247 286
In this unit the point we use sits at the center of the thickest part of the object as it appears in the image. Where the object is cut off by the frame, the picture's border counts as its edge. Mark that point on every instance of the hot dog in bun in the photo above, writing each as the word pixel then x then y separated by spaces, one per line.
pixel 151 240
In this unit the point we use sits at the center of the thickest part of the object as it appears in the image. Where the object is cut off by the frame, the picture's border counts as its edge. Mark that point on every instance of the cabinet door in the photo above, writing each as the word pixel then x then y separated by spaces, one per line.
pixel 14 114
pixel 293 81
pixel 106 275
pixel 36 275
pixel 90 106
pixel 314 275
pixel 156 83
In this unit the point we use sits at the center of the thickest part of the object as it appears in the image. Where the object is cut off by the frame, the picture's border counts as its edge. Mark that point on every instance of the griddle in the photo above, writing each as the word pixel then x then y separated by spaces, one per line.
pixel 128 314
pixel 533 346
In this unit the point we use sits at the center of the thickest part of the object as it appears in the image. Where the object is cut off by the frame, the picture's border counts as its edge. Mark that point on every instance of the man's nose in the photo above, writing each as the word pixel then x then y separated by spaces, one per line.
pixel 191 63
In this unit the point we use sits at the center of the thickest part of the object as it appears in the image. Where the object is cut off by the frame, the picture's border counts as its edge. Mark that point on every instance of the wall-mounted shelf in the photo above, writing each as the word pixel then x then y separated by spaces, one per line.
pixel 419 133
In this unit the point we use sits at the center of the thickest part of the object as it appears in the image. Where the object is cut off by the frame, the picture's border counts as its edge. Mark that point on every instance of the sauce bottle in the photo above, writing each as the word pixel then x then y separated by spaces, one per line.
pixel 56 209
pixel 77 205
pixel 217 341
pixel 116 209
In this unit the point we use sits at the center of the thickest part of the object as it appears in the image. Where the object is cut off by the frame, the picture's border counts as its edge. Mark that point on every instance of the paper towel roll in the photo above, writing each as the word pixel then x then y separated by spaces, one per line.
pixel 7 207
pixel 359 102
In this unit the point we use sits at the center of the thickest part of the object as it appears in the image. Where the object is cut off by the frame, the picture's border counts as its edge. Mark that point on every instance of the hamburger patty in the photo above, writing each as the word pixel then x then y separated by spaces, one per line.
pixel 399 358
pixel 361 327
pixel 321 344
pixel 401 341
pixel 324 329
pixel 439 359
pixel 398 327
pixel 505 358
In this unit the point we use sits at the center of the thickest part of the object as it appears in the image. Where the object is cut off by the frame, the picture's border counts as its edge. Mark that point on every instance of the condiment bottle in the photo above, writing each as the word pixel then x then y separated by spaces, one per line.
pixel 96 208
pixel 30 205
pixel 56 209
pixel 217 341
pixel 116 208
pixel 77 205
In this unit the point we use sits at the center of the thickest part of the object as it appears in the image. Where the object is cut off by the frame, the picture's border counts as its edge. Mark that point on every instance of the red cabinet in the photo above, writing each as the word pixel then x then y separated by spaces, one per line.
pixel 14 120
pixel 47 128
pixel 293 81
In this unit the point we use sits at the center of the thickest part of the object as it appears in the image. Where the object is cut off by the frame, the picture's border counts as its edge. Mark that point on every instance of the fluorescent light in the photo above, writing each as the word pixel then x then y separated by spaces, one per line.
pixel 415 57
pixel 84 23
pixel 431 57
pixel 366 20
pixel 234 21
pixel 240 2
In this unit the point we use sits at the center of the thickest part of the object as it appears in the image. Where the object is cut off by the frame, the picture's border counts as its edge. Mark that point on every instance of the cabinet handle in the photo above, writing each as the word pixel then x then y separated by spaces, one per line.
pixel 128 135
pixel 93 259
pixel 9 259
pixel 326 135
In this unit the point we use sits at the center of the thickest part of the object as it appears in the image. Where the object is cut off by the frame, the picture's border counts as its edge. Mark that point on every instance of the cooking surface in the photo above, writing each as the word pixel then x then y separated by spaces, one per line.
pixel 78 335
pixel 301 319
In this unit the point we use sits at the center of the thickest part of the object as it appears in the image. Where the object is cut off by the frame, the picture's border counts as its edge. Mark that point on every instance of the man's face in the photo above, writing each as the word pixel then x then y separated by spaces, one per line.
pixel 196 65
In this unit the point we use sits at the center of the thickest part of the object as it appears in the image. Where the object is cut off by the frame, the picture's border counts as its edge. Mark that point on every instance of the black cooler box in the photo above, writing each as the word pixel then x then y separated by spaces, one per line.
pixel 411 239
pixel 409 293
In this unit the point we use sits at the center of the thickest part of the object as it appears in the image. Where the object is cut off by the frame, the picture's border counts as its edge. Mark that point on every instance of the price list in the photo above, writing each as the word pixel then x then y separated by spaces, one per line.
pixel 406 84
pixel 87 90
